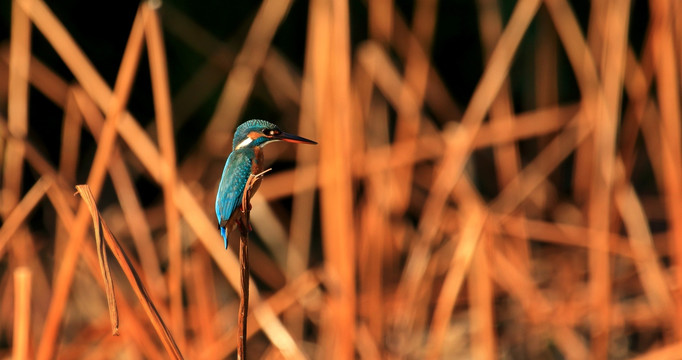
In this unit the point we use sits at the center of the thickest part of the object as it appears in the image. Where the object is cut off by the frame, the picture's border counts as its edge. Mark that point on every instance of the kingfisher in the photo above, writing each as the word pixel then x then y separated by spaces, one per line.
pixel 245 159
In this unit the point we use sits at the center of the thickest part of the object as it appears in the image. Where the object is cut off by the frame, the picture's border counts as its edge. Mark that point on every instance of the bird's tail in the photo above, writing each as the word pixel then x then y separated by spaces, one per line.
pixel 223 232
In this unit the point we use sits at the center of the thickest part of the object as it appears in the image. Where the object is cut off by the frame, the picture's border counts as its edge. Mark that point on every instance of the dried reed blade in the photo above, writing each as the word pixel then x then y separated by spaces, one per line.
pixel 103 263
pixel 162 331
pixel 58 194
pixel 145 151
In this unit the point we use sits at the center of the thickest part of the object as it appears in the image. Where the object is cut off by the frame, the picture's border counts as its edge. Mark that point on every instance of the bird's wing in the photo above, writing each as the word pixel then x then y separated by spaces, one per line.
pixel 235 174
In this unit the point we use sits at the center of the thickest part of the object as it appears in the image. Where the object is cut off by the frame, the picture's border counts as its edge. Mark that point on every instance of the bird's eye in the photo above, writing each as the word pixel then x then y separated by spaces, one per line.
pixel 271 132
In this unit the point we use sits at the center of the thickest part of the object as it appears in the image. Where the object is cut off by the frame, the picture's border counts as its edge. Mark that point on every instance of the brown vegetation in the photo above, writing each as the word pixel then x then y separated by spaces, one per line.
pixel 420 227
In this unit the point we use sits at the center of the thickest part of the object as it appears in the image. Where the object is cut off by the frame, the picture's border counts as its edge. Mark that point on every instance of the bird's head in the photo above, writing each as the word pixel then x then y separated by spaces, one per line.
pixel 258 133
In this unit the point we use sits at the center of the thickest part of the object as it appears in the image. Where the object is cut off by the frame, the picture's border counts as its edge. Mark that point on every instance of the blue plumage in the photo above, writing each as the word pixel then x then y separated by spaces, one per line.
pixel 246 159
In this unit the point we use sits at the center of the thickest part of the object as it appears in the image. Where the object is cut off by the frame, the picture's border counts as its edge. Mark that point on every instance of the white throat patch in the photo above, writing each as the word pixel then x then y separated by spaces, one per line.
pixel 244 143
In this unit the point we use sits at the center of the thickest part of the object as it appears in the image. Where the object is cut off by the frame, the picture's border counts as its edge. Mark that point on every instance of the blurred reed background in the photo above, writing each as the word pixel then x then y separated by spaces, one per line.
pixel 495 179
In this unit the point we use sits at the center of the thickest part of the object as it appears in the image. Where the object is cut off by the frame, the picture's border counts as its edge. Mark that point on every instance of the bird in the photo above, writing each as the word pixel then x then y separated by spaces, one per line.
pixel 245 159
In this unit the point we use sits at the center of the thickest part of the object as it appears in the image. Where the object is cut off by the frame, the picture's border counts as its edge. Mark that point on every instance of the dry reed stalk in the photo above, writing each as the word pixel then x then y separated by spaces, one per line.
pixel 202 297
pixel 68 159
pixel 71 138
pixel 459 141
pixel 669 352
pixel 555 316
pixel 536 305
pixel 376 258
pixel 284 84
pixel 329 35
pixel 653 276
pixel 473 229
pixel 303 202
pixel 585 72
pixel 106 274
pixel 244 225
pixel 146 152
pixel 366 345
pixel 481 297
pixel 247 64
pixel 565 234
pixel 270 229
pixel 22 248
pixel 506 155
pixel 242 322
pixel 228 264
pixel 436 95
pixel 526 125
pixel 64 45
pixel 128 199
pixel 21 349
pixel 20 212
pixel 637 84
pixel 207 80
pixel 131 275
pixel 458 148
pixel 44 80
pixel 668 95
pixel 62 42
pixel 58 195
pixel 380 24
pixel 17 106
pixel 284 299
pixel 411 98
pixel 605 116
pixel 164 123
pixel 546 66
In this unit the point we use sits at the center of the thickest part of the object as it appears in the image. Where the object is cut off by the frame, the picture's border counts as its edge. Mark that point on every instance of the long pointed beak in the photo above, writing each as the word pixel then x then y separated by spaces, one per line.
pixel 294 139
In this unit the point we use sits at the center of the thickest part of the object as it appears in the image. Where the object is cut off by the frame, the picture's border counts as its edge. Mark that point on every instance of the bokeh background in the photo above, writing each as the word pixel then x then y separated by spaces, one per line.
pixel 494 179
